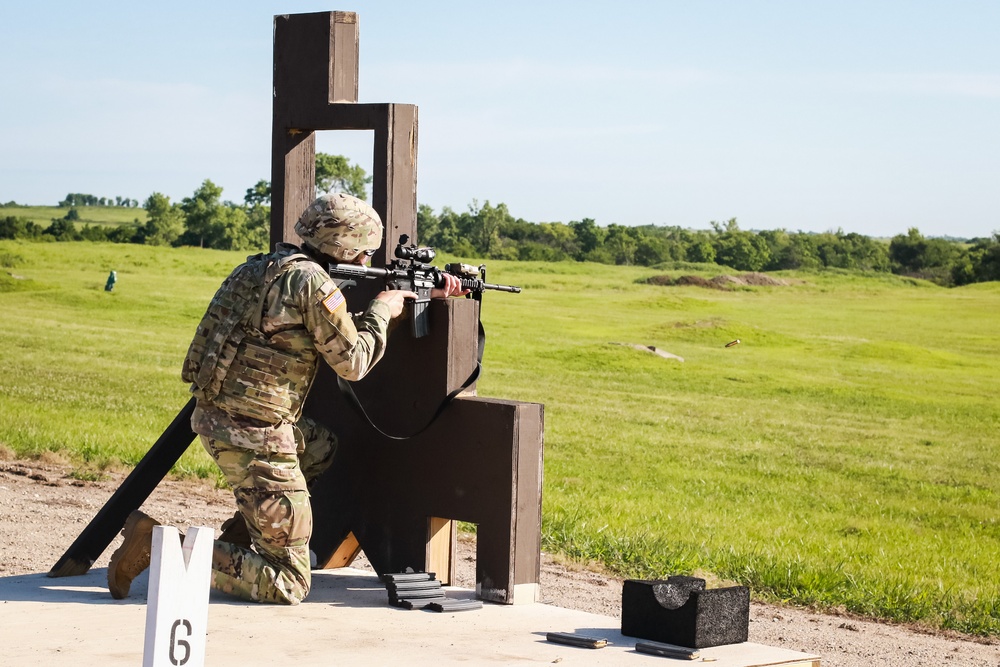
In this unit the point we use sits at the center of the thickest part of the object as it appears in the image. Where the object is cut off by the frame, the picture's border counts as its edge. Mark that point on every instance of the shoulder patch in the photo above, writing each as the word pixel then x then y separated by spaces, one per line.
pixel 334 301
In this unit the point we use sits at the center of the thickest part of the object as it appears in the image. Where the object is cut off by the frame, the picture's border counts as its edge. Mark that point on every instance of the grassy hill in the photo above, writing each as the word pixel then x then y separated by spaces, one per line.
pixel 89 215
pixel 842 454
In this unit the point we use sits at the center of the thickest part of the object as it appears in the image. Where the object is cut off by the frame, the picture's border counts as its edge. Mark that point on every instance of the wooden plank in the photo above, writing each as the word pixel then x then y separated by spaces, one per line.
pixel 343 57
pixel 463 345
pixel 528 473
pixel 749 654
pixel 401 214
pixel 344 555
pixel 339 117
pixel 293 181
pixel 394 188
pixel 442 548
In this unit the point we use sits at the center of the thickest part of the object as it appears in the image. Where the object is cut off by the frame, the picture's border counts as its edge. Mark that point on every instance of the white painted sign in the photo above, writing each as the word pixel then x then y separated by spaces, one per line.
pixel 177 603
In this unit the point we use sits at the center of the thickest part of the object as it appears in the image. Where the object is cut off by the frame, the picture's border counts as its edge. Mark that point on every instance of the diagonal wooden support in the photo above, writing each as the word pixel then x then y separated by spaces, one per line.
pixel 101 530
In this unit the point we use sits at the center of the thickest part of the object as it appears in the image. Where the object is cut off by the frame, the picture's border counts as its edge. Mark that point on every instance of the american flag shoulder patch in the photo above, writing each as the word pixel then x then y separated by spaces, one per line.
pixel 334 301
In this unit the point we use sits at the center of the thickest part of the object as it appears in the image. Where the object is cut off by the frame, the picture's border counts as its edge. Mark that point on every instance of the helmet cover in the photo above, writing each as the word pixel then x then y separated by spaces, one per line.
pixel 340 226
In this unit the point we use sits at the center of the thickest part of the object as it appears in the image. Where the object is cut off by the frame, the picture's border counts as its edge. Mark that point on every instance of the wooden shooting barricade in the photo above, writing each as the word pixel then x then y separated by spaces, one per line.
pixel 398 500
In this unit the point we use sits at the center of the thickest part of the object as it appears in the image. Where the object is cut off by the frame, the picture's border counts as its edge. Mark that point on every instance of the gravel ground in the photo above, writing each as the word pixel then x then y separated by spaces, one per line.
pixel 42 511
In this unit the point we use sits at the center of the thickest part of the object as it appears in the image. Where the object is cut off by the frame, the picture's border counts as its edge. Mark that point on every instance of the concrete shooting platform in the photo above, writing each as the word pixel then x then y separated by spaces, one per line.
pixel 346 620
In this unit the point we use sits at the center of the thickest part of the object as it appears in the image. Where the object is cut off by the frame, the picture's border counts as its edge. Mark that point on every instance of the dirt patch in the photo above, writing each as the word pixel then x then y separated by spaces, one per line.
pixel 43 509
pixel 652 349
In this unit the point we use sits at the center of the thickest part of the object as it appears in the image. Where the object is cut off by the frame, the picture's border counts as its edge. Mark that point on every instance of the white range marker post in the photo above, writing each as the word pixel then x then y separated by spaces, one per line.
pixel 177 602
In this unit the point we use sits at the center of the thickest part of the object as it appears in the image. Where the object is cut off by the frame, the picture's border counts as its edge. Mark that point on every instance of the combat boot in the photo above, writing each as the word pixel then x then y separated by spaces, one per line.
pixel 132 557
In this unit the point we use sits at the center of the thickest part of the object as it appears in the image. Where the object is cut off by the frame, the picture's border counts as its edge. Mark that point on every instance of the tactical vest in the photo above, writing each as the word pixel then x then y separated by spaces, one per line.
pixel 230 362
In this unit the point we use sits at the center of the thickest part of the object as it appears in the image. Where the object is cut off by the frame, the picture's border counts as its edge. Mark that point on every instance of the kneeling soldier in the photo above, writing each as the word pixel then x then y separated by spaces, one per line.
pixel 251 364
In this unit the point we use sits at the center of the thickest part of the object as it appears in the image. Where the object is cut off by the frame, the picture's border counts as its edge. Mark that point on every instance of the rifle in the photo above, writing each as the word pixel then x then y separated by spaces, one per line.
pixel 411 270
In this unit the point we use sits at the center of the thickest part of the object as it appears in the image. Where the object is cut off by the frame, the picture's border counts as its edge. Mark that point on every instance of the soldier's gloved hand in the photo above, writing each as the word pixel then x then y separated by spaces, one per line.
pixel 452 287
pixel 396 299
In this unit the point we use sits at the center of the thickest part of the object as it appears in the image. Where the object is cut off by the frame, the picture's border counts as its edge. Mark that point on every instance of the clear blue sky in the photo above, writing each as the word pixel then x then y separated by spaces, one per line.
pixel 871 116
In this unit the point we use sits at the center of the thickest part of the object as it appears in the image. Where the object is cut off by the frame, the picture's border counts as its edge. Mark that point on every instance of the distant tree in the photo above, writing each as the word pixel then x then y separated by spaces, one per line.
pixel 428 225
pixel 132 232
pixel 670 243
pixel 793 251
pixel 560 237
pixel 621 243
pixel 12 227
pixel 700 250
pixel 259 194
pixel 981 263
pixel 234 232
pixel 335 174
pixel 452 233
pixel 484 227
pixel 63 230
pixel 164 221
pixel 650 249
pixel 258 227
pixel 94 233
pixel 743 251
pixel 72 215
pixel 589 236
pixel 204 224
pixel 913 254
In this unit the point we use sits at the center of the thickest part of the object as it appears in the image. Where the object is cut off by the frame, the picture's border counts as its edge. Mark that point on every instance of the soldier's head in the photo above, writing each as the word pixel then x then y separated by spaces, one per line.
pixel 340 226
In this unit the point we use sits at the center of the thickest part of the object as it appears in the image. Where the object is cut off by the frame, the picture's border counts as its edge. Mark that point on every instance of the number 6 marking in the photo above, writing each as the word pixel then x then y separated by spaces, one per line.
pixel 179 642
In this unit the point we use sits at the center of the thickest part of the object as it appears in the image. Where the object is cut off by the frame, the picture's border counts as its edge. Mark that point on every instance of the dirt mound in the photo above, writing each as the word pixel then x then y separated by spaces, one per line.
pixel 763 279
pixel 722 282
pixel 694 281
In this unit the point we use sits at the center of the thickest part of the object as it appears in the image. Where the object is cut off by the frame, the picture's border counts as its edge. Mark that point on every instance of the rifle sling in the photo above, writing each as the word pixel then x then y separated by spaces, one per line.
pixel 348 391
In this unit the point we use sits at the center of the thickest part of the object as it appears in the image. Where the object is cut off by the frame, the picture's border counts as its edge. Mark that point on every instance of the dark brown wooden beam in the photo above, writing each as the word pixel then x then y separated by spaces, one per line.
pixel 315 59
pixel 315 65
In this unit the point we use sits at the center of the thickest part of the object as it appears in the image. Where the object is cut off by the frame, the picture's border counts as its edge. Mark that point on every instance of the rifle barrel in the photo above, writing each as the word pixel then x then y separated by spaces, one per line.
pixel 502 288
pixel 358 271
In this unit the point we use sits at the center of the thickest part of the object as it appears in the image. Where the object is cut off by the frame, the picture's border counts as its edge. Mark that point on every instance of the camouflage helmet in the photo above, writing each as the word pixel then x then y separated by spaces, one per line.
pixel 340 226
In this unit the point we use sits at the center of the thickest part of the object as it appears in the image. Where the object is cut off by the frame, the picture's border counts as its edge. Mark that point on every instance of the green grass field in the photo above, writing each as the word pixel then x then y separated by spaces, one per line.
pixel 843 454
pixel 99 216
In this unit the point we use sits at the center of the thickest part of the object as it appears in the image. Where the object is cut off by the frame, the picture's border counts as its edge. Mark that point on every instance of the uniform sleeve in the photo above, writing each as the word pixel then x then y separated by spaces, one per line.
pixel 350 344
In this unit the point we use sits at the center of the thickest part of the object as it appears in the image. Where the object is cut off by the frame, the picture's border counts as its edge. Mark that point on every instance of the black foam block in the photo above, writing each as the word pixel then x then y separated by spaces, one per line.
pixel 681 611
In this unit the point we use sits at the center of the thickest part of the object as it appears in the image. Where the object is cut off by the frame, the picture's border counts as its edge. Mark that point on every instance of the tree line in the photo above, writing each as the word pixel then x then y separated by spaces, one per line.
pixel 78 199
pixel 491 232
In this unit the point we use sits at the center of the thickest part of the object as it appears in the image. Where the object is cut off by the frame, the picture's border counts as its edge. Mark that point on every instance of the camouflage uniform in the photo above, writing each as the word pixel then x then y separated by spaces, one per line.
pixel 252 362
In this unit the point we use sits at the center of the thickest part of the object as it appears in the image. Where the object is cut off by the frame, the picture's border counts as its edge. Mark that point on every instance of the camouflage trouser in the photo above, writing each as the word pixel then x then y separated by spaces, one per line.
pixel 272 495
